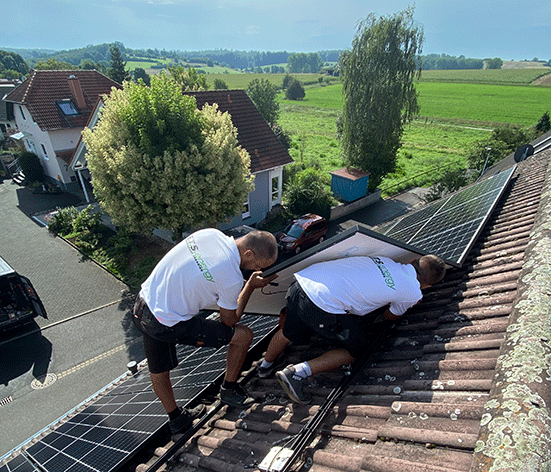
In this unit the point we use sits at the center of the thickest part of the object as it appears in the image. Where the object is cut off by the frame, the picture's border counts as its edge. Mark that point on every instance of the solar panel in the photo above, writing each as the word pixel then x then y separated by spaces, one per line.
pixel 449 227
pixel 106 433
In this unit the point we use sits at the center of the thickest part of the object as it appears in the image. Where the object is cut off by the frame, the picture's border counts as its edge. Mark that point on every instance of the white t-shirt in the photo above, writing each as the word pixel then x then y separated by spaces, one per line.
pixel 200 272
pixel 359 285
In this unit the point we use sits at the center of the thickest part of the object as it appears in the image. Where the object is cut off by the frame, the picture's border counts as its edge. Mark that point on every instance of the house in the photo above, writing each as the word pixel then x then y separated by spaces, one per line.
pixel 268 155
pixel 7 118
pixel 51 108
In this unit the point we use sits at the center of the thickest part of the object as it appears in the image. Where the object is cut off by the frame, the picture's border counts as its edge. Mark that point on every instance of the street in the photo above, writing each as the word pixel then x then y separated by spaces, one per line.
pixel 48 367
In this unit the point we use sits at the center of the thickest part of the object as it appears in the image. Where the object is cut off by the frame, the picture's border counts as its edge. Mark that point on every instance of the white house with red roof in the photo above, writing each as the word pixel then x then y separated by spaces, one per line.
pixel 51 108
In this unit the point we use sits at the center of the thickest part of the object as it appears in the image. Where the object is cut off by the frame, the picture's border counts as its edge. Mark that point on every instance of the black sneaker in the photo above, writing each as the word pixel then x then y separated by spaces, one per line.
pixel 181 424
pixel 236 396
pixel 265 372
pixel 293 385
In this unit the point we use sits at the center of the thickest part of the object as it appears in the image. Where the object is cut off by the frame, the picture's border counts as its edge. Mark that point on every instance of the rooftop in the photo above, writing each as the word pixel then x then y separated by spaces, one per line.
pixel 44 90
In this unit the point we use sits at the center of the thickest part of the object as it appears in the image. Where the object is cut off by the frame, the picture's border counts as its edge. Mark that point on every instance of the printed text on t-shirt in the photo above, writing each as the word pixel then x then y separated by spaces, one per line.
pixel 389 281
pixel 194 249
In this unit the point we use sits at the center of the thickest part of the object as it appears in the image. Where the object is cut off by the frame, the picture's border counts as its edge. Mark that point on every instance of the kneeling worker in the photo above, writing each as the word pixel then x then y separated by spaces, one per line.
pixel 331 298
pixel 201 271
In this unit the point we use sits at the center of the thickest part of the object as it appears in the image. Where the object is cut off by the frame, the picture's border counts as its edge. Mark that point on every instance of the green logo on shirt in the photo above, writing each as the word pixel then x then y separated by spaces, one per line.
pixel 389 281
pixel 194 249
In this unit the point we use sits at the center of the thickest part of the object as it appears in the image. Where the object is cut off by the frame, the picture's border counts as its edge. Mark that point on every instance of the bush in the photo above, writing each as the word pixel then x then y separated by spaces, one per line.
pixel 452 180
pixel 31 167
pixel 283 136
pixel 62 222
pixel 219 84
pixel 308 193
pixel 504 141
pixel 295 91
pixel 544 124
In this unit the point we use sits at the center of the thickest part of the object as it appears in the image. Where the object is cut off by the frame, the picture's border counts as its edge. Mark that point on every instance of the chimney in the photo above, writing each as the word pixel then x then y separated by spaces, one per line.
pixel 76 92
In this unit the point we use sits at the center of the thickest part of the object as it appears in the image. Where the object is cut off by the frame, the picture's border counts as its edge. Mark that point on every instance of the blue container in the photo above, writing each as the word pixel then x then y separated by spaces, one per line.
pixel 349 184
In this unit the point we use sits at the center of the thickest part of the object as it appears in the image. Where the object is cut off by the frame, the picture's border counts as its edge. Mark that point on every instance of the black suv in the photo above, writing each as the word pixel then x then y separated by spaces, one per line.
pixel 19 302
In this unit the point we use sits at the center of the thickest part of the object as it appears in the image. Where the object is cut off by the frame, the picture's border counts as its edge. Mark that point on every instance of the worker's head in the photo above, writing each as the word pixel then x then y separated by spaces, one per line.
pixel 258 250
pixel 430 270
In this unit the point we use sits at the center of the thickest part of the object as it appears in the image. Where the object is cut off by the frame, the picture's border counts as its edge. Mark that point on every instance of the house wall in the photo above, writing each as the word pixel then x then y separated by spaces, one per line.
pixel 258 201
pixel 45 144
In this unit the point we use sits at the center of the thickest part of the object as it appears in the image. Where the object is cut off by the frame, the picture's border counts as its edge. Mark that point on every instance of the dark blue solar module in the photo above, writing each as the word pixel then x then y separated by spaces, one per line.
pixel 106 433
pixel 449 226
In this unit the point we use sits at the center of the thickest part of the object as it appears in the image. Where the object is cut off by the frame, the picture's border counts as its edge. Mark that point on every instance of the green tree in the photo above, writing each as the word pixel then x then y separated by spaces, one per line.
pixel 219 84
pixel 286 81
pixel 117 67
pixel 188 77
pixel 158 162
pixel 379 95
pixel 494 63
pixel 295 91
pixel 52 64
pixel 140 73
pixel 264 96
pixel 12 66
pixel 31 166
pixel 544 124
pixel 89 64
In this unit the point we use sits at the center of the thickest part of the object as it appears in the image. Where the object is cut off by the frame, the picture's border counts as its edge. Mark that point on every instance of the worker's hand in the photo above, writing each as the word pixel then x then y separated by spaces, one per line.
pixel 257 281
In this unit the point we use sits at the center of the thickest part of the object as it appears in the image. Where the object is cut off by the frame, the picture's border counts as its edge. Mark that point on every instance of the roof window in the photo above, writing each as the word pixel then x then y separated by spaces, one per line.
pixel 67 107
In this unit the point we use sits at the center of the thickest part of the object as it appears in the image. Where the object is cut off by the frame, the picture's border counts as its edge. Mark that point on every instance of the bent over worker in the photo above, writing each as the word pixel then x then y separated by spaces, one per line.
pixel 331 298
pixel 201 271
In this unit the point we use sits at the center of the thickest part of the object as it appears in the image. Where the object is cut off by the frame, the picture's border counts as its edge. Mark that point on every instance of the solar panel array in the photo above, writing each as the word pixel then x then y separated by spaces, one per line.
pixel 449 226
pixel 108 432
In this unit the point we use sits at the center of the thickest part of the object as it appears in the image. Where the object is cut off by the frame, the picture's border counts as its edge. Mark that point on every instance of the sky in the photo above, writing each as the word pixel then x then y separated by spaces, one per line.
pixel 508 29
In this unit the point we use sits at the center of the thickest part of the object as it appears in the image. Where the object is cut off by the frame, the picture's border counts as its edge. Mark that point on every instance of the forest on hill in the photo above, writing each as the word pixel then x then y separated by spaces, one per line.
pixel 232 59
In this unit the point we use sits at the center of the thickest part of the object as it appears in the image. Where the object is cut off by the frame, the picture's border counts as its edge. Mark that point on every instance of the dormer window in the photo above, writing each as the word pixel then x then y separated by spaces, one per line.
pixel 67 107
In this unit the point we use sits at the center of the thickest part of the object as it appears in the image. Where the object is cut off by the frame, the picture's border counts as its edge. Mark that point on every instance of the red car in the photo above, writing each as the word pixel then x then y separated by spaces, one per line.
pixel 304 232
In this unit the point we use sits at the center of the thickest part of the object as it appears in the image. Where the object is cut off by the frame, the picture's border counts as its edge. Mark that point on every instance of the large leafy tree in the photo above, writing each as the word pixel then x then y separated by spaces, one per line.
pixel 158 162
pixel 188 77
pixel 264 96
pixel 379 95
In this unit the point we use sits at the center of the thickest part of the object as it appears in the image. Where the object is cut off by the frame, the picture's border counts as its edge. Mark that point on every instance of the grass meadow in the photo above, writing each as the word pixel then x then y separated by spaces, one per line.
pixel 452 116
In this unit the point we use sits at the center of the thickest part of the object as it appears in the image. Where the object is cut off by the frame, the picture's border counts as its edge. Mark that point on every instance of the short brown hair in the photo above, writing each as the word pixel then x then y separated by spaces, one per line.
pixel 262 243
pixel 430 269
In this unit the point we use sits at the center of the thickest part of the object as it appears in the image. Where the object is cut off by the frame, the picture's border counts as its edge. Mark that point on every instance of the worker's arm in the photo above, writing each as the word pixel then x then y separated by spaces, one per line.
pixel 232 317
pixel 388 315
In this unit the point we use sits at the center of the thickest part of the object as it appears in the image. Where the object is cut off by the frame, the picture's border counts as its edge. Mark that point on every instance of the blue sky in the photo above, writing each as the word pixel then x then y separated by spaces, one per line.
pixel 509 29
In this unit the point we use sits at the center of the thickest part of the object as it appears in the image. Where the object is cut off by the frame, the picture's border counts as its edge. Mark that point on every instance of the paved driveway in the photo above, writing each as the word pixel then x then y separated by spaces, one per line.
pixel 67 284
pixel 88 338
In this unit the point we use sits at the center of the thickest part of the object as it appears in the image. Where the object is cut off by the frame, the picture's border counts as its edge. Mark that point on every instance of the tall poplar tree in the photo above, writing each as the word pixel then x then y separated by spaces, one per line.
pixel 379 95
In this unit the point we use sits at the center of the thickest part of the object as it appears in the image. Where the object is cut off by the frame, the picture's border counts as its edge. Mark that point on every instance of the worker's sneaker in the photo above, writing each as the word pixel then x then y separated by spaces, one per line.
pixel 293 385
pixel 265 372
pixel 181 424
pixel 236 396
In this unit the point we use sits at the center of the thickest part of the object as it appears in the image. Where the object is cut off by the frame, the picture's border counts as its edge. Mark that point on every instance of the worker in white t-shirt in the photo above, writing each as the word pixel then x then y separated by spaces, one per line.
pixel 202 271
pixel 331 298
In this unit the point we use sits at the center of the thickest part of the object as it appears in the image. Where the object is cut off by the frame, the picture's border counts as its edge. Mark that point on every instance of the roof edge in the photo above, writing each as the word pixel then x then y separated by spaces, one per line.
pixel 515 429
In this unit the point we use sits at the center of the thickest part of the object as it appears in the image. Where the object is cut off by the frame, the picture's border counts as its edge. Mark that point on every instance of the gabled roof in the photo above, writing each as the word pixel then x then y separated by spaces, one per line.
pixel 44 89
pixel 254 133
pixel 421 403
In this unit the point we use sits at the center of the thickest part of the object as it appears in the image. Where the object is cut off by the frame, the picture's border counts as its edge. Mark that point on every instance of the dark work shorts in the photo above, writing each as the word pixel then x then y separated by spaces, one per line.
pixel 304 318
pixel 160 340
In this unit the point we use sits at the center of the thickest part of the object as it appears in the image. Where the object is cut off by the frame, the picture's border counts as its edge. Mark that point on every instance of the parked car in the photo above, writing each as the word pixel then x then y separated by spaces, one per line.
pixel 19 302
pixel 302 233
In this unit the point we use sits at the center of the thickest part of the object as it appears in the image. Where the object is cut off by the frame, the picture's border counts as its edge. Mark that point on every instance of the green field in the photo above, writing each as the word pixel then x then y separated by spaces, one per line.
pixel 453 115
pixel 486 76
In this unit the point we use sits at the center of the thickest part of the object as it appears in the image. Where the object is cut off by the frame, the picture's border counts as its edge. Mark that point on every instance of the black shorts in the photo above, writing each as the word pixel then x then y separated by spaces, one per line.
pixel 160 340
pixel 304 318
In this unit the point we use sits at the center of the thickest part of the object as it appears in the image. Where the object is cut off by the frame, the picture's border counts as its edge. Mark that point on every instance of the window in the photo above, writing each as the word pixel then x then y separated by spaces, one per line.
pixel 22 114
pixel 246 208
pixel 275 187
pixel 67 107
pixel 44 151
